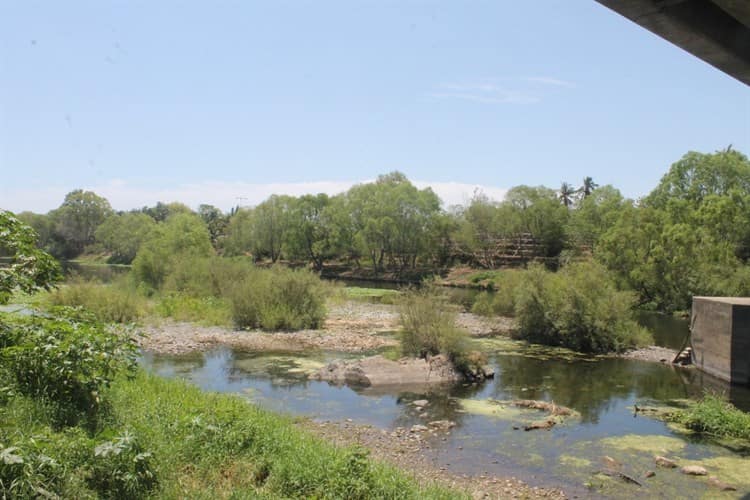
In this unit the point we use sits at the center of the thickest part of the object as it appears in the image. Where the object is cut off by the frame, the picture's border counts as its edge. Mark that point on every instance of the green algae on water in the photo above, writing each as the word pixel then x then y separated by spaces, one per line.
pixel 656 445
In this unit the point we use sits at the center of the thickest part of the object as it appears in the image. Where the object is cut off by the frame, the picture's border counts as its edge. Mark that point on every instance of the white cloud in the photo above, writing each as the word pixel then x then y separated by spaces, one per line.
pixel 123 195
pixel 555 82
pixel 527 90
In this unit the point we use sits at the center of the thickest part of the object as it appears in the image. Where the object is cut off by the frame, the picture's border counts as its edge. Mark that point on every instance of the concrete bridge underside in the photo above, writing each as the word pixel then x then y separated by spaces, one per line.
pixel 717 31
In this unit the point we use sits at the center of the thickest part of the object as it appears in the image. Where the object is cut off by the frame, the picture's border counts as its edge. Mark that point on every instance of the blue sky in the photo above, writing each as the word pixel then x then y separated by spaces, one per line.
pixel 210 101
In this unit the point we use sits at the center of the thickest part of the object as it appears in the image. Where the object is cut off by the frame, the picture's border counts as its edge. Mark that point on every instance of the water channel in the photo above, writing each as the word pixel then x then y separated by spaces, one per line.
pixel 486 439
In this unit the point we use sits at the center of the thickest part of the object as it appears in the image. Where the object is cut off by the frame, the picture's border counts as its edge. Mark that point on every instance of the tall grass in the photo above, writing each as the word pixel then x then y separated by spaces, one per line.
pixel 116 302
pixel 577 307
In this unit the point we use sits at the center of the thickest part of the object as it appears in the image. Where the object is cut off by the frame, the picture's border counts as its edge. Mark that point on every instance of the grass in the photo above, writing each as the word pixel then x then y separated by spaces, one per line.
pixel 167 439
pixel 116 302
pixel 715 417
pixel 209 311
pixel 375 295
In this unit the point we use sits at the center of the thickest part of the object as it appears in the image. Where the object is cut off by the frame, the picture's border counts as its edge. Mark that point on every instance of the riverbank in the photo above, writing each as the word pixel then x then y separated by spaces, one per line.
pixel 407 450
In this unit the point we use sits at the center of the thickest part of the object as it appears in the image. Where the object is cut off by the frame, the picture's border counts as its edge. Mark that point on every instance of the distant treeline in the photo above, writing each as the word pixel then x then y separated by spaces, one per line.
pixel 689 236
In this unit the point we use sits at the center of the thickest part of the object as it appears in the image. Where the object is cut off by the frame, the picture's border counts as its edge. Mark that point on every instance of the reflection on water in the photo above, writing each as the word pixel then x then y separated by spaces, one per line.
pixel 603 391
pixel 669 331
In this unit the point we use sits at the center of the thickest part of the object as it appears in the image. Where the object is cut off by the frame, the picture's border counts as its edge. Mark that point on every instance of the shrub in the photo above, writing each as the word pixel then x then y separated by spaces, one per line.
pixel 579 308
pixel 715 417
pixel 116 302
pixel 66 360
pixel 278 299
pixel 429 326
pixel 503 301
pixel 122 469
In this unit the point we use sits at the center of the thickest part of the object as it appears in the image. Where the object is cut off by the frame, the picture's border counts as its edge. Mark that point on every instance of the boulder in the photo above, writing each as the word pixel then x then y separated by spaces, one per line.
pixel 378 371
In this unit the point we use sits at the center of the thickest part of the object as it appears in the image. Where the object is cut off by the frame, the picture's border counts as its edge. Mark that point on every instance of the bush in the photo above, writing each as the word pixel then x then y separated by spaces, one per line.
pixel 715 417
pixel 579 308
pixel 122 469
pixel 116 303
pixel 278 299
pixel 503 301
pixel 66 361
pixel 429 326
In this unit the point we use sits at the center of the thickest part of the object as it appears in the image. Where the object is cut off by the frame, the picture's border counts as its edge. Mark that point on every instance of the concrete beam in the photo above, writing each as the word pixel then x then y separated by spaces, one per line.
pixel 716 31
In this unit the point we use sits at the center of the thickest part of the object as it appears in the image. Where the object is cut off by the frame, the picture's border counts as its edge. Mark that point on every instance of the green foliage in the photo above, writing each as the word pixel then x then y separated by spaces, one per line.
pixel 429 326
pixel 207 310
pixel 30 269
pixel 502 301
pixel 113 303
pixel 122 235
pixel 77 219
pixel 66 360
pixel 278 299
pixel 122 469
pixel 180 236
pixel 578 307
pixel 715 417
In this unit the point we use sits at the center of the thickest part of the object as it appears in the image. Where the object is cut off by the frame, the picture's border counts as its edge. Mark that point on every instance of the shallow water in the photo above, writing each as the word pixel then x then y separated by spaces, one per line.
pixel 603 391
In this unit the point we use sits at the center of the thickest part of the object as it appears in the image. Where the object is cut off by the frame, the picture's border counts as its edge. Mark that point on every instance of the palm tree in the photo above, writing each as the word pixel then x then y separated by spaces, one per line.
pixel 588 186
pixel 566 194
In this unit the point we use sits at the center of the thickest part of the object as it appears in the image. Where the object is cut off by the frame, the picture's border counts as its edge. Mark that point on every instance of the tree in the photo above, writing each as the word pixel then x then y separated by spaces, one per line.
pixel 588 187
pixel 30 269
pixel 215 221
pixel 308 236
pixel 594 215
pixel 122 235
pixel 567 192
pixel 180 237
pixel 77 219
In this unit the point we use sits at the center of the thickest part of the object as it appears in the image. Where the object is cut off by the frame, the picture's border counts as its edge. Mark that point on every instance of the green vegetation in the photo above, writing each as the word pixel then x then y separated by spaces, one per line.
pixel 429 327
pixel 207 310
pixel 377 295
pixel 117 302
pixel 577 307
pixel 715 417
pixel 75 426
pixel 29 268
pixel 502 302
pixel 278 299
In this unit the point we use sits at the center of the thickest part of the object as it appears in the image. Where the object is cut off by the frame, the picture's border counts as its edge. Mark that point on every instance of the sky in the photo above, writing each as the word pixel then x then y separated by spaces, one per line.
pixel 228 102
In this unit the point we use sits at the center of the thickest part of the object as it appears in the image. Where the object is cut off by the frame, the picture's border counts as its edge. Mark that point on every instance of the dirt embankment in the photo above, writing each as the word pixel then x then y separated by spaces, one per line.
pixel 350 327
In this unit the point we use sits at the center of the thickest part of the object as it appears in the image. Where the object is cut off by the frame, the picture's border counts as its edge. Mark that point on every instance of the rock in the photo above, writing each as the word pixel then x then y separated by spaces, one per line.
pixel 649 473
pixel 420 403
pixel 418 428
pixel 611 462
pixel 442 424
pixel 551 408
pixel 665 462
pixel 718 483
pixel 694 470
pixel 379 371
pixel 540 424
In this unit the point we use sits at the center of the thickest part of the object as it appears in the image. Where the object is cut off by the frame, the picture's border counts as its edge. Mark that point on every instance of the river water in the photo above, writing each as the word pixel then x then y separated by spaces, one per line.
pixel 603 391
